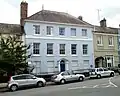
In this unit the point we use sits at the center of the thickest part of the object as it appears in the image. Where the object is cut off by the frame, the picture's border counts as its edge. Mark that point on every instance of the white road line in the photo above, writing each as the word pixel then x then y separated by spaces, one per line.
pixel 75 88
pixel 112 83
pixel 95 86
pixel 107 86
pixel 84 87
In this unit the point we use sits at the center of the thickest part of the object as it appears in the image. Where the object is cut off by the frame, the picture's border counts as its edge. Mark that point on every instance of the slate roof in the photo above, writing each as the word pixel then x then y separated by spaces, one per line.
pixel 10 28
pixel 109 30
pixel 53 16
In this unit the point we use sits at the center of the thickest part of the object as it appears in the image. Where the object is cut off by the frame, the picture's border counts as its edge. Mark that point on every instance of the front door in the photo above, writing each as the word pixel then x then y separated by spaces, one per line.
pixel 62 65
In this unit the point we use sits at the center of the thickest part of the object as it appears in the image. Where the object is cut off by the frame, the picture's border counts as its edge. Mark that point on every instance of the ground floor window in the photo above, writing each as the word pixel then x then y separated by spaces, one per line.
pixel 50 65
pixel 75 65
pixel 37 65
pixel 86 63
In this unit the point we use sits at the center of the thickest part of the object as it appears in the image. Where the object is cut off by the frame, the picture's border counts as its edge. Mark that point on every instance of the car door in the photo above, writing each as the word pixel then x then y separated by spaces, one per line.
pixel 101 71
pixel 21 80
pixel 31 80
pixel 73 76
pixel 66 76
pixel 106 72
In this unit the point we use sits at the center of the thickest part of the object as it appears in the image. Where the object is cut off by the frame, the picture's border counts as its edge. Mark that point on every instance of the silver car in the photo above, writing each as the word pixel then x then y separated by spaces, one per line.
pixel 66 76
pixel 101 72
pixel 23 80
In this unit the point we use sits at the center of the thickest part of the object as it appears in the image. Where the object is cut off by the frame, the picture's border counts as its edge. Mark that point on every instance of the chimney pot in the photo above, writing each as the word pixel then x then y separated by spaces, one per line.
pixel 80 17
pixel 103 23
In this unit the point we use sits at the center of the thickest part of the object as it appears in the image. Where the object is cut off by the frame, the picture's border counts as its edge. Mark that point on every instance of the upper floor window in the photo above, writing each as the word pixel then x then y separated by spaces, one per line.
pixel 73 49
pixel 99 40
pixel 50 48
pixel 36 29
pixel 36 48
pixel 62 48
pixel 85 49
pixel 73 31
pixel 110 40
pixel 84 32
pixel 49 30
pixel 61 31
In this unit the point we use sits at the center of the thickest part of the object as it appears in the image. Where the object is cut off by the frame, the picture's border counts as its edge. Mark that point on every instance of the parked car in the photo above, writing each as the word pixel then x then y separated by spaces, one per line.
pixel 66 76
pixel 116 69
pixel 24 80
pixel 101 72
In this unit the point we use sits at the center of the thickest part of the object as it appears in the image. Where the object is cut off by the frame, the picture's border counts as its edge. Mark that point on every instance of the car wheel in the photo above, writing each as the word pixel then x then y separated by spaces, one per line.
pixel 112 75
pixel 13 87
pixel 81 78
pixel 98 76
pixel 40 84
pixel 62 81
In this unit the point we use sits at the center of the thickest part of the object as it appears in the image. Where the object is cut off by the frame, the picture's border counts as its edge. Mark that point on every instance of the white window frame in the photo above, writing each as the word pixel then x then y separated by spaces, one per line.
pixel 73 49
pixel 111 41
pixel 36 49
pixel 36 29
pixel 85 50
pixel 73 30
pixel 100 41
pixel 84 32
pixel 63 34
pixel 49 30
pixel 49 49
pixel 62 49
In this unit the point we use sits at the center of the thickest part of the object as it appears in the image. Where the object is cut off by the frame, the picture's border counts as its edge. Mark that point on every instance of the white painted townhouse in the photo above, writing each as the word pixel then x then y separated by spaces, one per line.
pixel 58 41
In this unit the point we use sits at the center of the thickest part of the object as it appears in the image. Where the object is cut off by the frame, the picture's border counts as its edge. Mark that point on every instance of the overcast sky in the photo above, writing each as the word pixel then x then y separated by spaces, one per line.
pixel 110 9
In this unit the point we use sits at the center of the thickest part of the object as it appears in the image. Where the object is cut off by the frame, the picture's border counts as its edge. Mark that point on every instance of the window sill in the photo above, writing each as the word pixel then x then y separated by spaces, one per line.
pixel 49 35
pixel 36 55
pixel 99 44
pixel 50 55
pixel 111 45
pixel 63 55
pixel 36 34
pixel 62 36
pixel 74 55
pixel 86 55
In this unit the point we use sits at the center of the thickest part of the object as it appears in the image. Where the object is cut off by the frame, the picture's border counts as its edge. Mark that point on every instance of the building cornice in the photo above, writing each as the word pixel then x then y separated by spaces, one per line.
pixel 58 23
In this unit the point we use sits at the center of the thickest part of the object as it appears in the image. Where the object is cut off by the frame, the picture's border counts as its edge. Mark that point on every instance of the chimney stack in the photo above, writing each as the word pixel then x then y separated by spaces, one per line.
pixel 80 18
pixel 23 12
pixel 103 23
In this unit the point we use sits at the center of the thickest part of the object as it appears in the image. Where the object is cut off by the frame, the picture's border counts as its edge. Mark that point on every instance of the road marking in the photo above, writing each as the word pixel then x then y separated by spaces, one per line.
pixel 95 86
pixel 84 87
pixel 111 82
pixel 75 88
pixel 107 86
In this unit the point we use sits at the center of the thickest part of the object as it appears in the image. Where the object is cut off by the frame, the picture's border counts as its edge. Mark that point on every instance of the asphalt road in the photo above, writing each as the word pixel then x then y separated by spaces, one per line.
pixel 94 87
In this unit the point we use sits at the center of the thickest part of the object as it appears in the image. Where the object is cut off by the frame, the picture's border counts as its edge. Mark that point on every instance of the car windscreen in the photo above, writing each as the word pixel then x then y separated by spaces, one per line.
pixel 92 70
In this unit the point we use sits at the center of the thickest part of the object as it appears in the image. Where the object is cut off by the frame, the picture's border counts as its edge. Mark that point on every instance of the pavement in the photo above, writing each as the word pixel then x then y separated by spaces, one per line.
pixel 3 85
pixel 93 87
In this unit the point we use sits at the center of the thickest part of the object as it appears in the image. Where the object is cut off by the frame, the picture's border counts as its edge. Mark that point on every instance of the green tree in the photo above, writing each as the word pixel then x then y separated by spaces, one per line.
pixel 12 55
